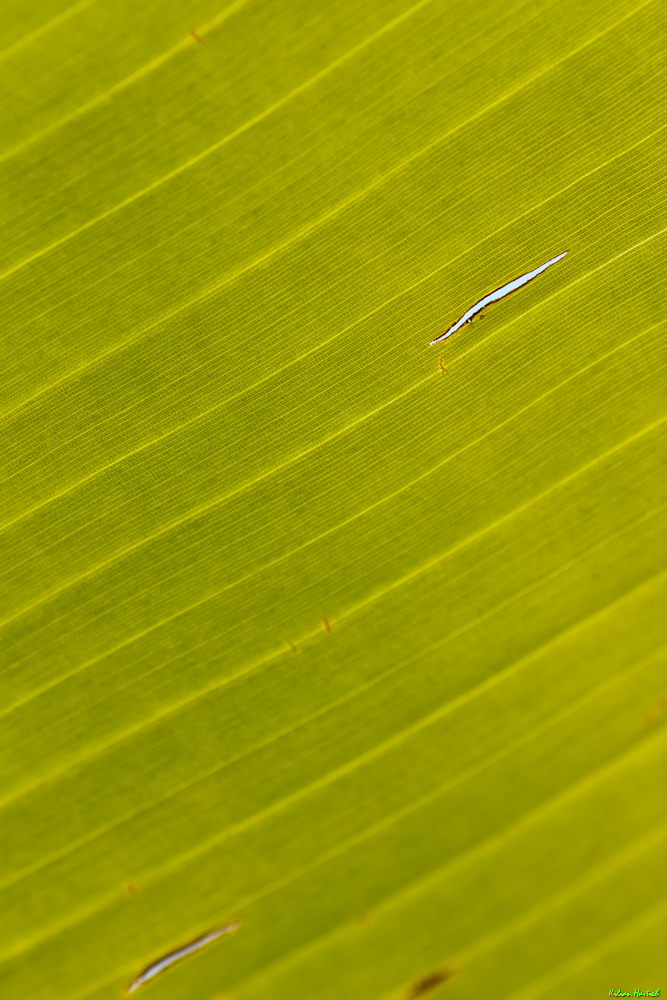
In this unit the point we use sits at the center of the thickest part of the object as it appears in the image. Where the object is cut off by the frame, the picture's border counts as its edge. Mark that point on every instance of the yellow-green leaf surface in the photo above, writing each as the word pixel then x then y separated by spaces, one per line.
pixel 304 623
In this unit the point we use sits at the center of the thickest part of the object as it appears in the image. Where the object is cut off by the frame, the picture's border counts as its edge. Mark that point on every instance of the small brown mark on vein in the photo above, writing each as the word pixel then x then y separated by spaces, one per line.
pixel 442 367
pixel 130 889
pixel 327 625
pixel 291 645
pixel 429 982
pixel 198 39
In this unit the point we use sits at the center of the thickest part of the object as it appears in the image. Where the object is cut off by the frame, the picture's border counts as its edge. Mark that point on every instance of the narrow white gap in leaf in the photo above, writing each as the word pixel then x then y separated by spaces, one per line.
pixel 174 956
pixel 499 293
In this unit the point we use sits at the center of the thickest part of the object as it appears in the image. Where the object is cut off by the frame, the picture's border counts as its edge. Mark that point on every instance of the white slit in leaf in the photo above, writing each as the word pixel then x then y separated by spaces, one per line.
pixel 174 956
pixel 499 293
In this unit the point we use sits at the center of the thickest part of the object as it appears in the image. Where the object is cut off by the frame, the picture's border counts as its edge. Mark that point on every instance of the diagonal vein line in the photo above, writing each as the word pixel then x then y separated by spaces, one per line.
pixel 128 81
pixel 273 374
pixel 32 36
pixel 256 119
pixel 423 568
pixel 507 16
pixel 638 846
pixel 645 585
pixel 387 821
pixel 293 459
pixel 284 167
pixel 610 608
pixel 520 508
pixel 466 859
pixel 321 220
pixel 491 846
pixel 130 262
pixel 99 750
pixel 284 170
pixel 599 873
pixel 570 285
pixel 218 501
pixel 271 656
pixel 323 344
pixel 473 348
pixel 586 957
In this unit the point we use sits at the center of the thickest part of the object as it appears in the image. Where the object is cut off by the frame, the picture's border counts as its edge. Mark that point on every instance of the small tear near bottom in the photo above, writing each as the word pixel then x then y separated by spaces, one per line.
pixel 175 956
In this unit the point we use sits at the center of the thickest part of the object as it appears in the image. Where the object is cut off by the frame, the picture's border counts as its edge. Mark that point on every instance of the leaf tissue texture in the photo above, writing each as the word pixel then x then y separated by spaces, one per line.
pixel 303 623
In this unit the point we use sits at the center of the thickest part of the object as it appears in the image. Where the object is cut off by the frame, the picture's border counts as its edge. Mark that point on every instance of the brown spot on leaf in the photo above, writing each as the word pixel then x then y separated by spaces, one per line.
pixel 197 38
pixel 429 982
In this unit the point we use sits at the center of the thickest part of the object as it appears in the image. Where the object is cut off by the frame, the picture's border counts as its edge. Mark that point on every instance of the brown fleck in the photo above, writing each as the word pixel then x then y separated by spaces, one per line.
pixel 197 38
pixel 655 710
pixel 291 645
pixel 327 625
pixel 429 982
pixel 130 889
pixel 442 367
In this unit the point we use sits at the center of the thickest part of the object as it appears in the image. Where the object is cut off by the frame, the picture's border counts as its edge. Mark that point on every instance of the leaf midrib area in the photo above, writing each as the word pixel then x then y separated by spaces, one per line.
pixel 302 622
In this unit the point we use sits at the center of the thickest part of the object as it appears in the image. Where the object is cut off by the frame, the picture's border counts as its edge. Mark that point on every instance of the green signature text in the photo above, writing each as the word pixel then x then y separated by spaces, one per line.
pixel 637 993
